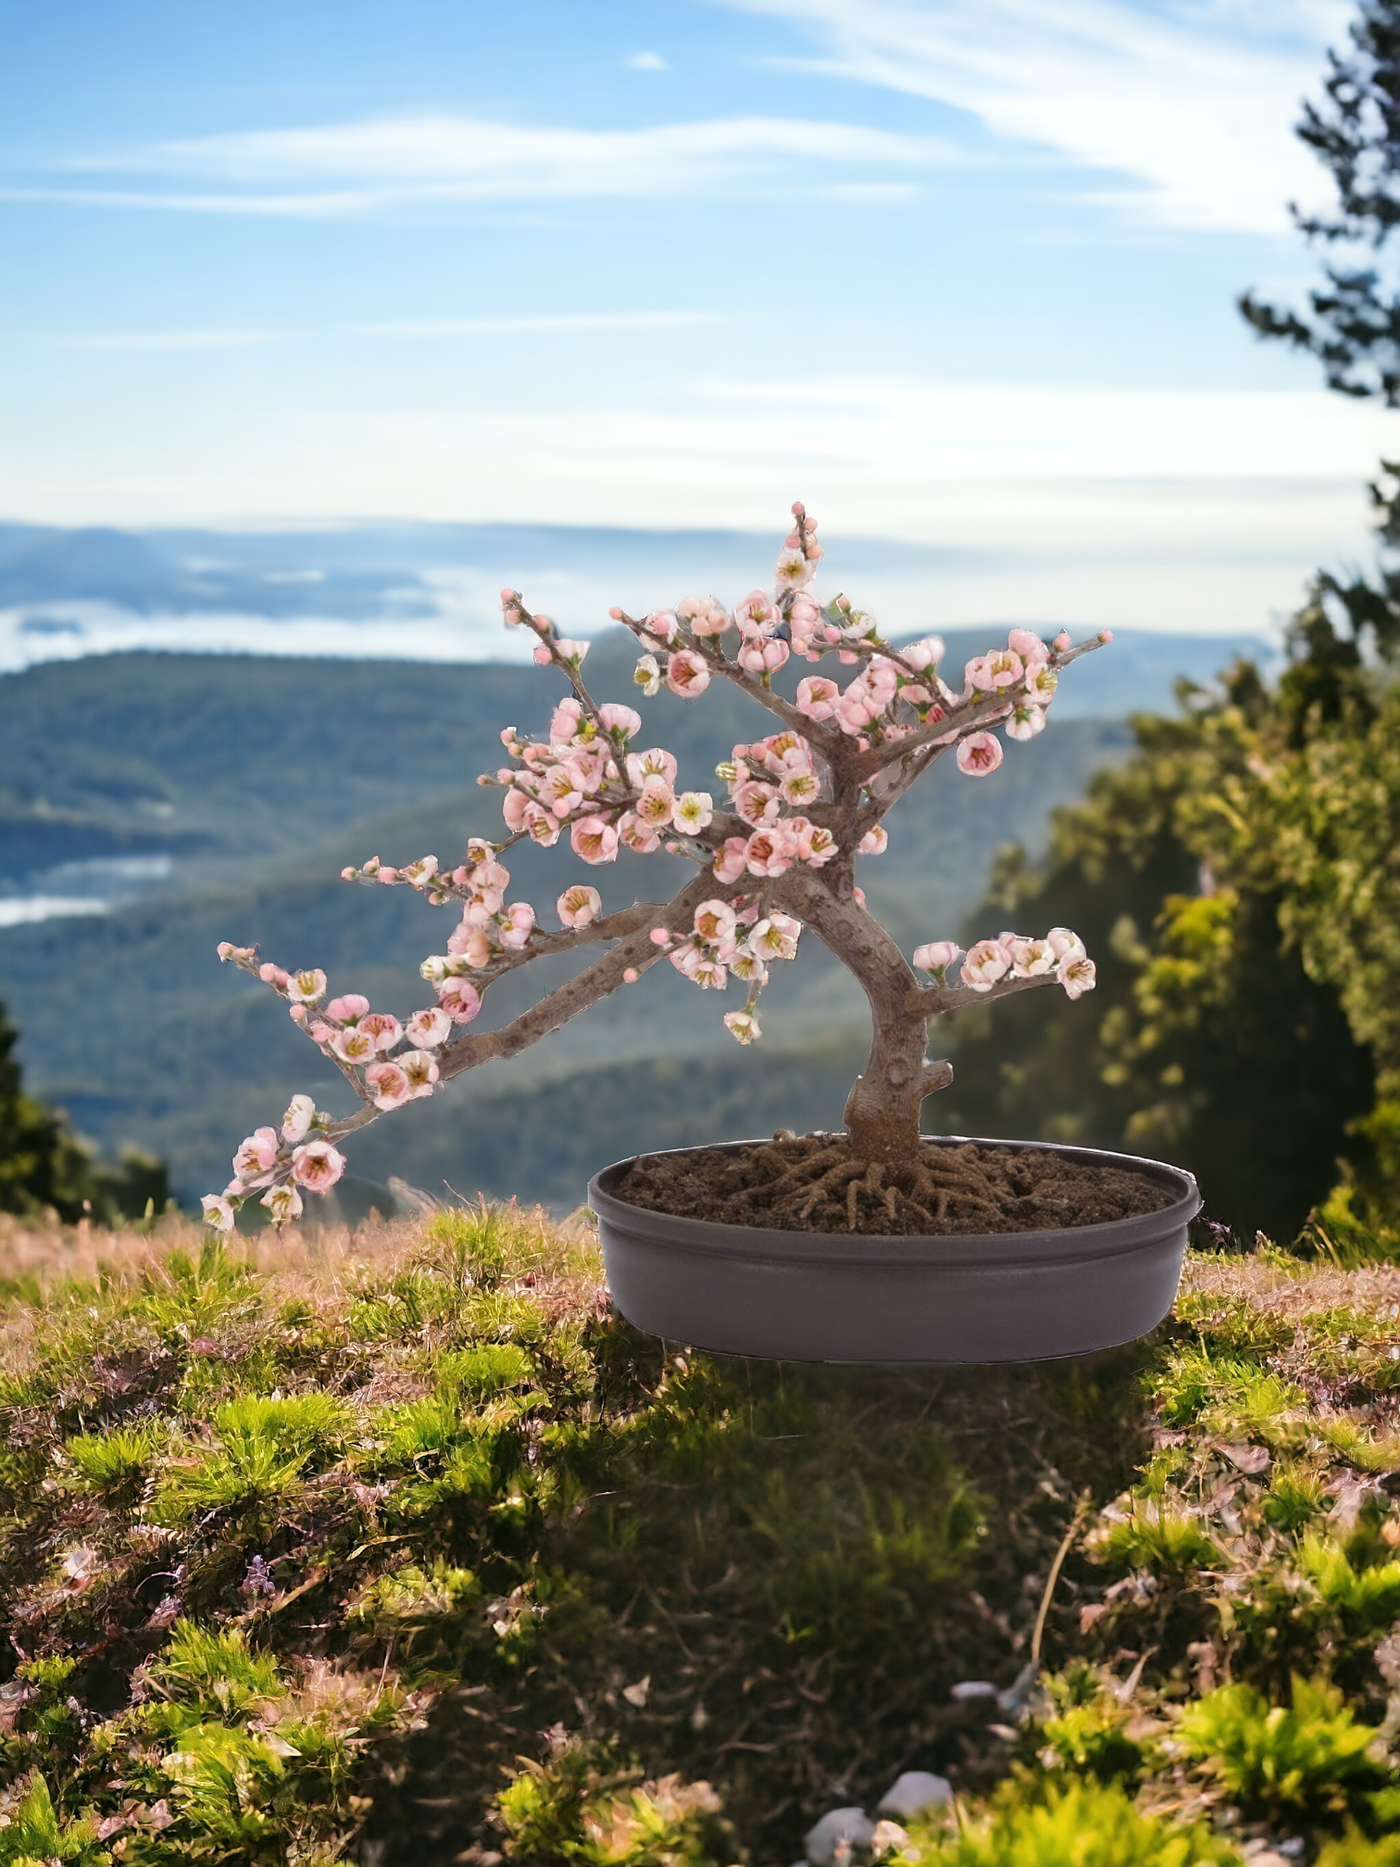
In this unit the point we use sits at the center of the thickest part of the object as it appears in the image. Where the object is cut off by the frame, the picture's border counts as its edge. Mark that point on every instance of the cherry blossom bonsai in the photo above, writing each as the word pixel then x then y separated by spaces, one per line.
pixel 773 854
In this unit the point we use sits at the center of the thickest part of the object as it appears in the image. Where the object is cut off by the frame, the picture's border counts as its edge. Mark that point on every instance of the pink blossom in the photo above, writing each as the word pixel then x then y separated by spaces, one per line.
pixel 757 803
pixel 743 1025
pixel 418 873
pixel 240 955
pixel 471 943
pixel 427 1029
pixel 520 924
pixel 685 957
pixel 703 615
pixel 459 999
pixel 570 651
pixel 812 843
pixel 514 805
pixel 256 1157
pixel 714 920
pixel 296 1123
pixel 559 789
pixel 732 860
pixel 979 754
pixel 874 842
pixel 775 937
pixel 1025 723
pixel 985 963
pixel 748 967
pixel 1077 975
pixel 656 763
pixel 273 975
pixel 348 1009
pixel 219 1213
pixel 297 1014
pixel 1028 645
pixel 635 835
pixel 936 956
pixel 564 722
pixel 694 812
pixel 1065 943
pixel 923 654
pixel 1062 642
pixel 630 975
pixel 579 905
pixel 656 803
pixel 387 1084
pixel 355 1045
pixel 421 1071
pixel 614 718
pixel 816 697
pixel 317 1166
pixel 661 624
pixel 1041 682
pixel 768 852
pixel 284 1203
pixel 647 675
pixel 800 787
pixel 709 975
pixel 686 674
pixel 384 1028
pixel 540 825
pixel 763 657
pixel 1031 958
pixel 793 569
pixel 756 615
pixel 594 839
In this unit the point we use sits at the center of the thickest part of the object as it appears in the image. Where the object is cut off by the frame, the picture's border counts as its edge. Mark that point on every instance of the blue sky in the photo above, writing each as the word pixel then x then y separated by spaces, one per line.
pixel 956 271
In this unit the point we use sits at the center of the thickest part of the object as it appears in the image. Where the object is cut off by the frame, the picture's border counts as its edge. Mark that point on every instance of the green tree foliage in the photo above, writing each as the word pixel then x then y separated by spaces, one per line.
pixel 1353 319
pixel 1238 880
pixel 42 1165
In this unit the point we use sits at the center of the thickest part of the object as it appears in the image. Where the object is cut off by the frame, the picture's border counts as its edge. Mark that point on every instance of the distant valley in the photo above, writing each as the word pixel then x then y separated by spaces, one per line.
pixel 165 802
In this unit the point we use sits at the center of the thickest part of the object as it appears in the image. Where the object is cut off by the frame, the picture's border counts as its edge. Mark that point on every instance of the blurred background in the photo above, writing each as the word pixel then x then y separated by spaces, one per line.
pixel 322 322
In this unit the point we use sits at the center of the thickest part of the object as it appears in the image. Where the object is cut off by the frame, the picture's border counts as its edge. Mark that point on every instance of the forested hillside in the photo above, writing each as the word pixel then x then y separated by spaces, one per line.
pixel 244 785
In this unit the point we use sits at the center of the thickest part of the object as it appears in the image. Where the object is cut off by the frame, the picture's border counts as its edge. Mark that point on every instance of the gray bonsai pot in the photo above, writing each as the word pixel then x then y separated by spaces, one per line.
pixel 843 1297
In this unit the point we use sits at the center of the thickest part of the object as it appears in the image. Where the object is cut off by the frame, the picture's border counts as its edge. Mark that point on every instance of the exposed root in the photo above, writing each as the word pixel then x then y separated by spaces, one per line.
pixel 815 1183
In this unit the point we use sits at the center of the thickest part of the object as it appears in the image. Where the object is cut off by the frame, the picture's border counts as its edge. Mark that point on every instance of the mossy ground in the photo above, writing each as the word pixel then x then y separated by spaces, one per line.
pixel 402 1548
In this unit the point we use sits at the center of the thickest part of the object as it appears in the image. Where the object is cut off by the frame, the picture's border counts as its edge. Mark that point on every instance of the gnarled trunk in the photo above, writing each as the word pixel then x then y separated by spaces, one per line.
pixel 882 1110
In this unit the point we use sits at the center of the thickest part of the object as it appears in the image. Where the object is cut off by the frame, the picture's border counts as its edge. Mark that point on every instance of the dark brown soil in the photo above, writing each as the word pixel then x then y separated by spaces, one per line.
pixel 813 1183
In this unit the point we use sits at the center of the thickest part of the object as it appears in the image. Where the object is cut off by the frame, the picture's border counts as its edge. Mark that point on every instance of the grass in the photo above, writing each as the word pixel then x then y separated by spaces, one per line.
pixel 403 1548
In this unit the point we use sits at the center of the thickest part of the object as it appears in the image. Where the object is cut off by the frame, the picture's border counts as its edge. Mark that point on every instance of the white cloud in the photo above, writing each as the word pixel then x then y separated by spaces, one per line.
pixel 358 167
pixel 543 324
pixel 1192 102
pixel 646 61
pixel 1203 509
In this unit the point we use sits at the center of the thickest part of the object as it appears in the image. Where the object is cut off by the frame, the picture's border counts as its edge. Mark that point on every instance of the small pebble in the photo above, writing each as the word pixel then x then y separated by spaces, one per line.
pixel 973 1688
pixel 851 1826
pixel 915 1792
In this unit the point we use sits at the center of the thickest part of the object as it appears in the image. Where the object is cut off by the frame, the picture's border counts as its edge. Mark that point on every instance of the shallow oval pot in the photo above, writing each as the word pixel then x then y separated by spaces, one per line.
pixel 856 1297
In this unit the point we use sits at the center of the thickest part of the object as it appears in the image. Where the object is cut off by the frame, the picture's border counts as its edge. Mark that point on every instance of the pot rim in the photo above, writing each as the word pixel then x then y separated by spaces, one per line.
pixel 972 1250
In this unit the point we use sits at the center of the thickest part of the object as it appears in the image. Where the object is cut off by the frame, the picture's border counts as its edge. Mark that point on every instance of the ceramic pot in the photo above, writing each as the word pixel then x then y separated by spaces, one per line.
pixel 847 1297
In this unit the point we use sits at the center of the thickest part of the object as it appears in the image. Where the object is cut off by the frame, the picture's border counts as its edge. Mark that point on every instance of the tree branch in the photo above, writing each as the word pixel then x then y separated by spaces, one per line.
pixel 931 1000
pixel 962 717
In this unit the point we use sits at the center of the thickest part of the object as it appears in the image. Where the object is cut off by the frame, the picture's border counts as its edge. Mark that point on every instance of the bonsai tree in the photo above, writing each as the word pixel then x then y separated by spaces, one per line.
pixel 776 854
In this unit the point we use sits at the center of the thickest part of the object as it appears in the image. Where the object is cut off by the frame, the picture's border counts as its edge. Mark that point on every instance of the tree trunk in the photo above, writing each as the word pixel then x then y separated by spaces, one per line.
pixel 882 1110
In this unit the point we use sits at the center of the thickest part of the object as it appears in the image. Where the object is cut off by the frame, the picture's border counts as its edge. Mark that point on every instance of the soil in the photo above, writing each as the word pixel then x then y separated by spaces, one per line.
pixel 814 1183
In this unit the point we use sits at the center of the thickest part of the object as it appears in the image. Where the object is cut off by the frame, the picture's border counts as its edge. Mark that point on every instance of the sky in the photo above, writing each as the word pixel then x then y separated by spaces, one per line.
pixel 956 272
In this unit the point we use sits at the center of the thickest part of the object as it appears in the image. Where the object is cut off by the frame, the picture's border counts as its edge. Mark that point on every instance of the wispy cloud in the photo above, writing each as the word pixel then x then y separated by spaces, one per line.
pixel 646 61
pixel 354 168
pixel 526 324
pixel 1191 102
pixel 544 324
